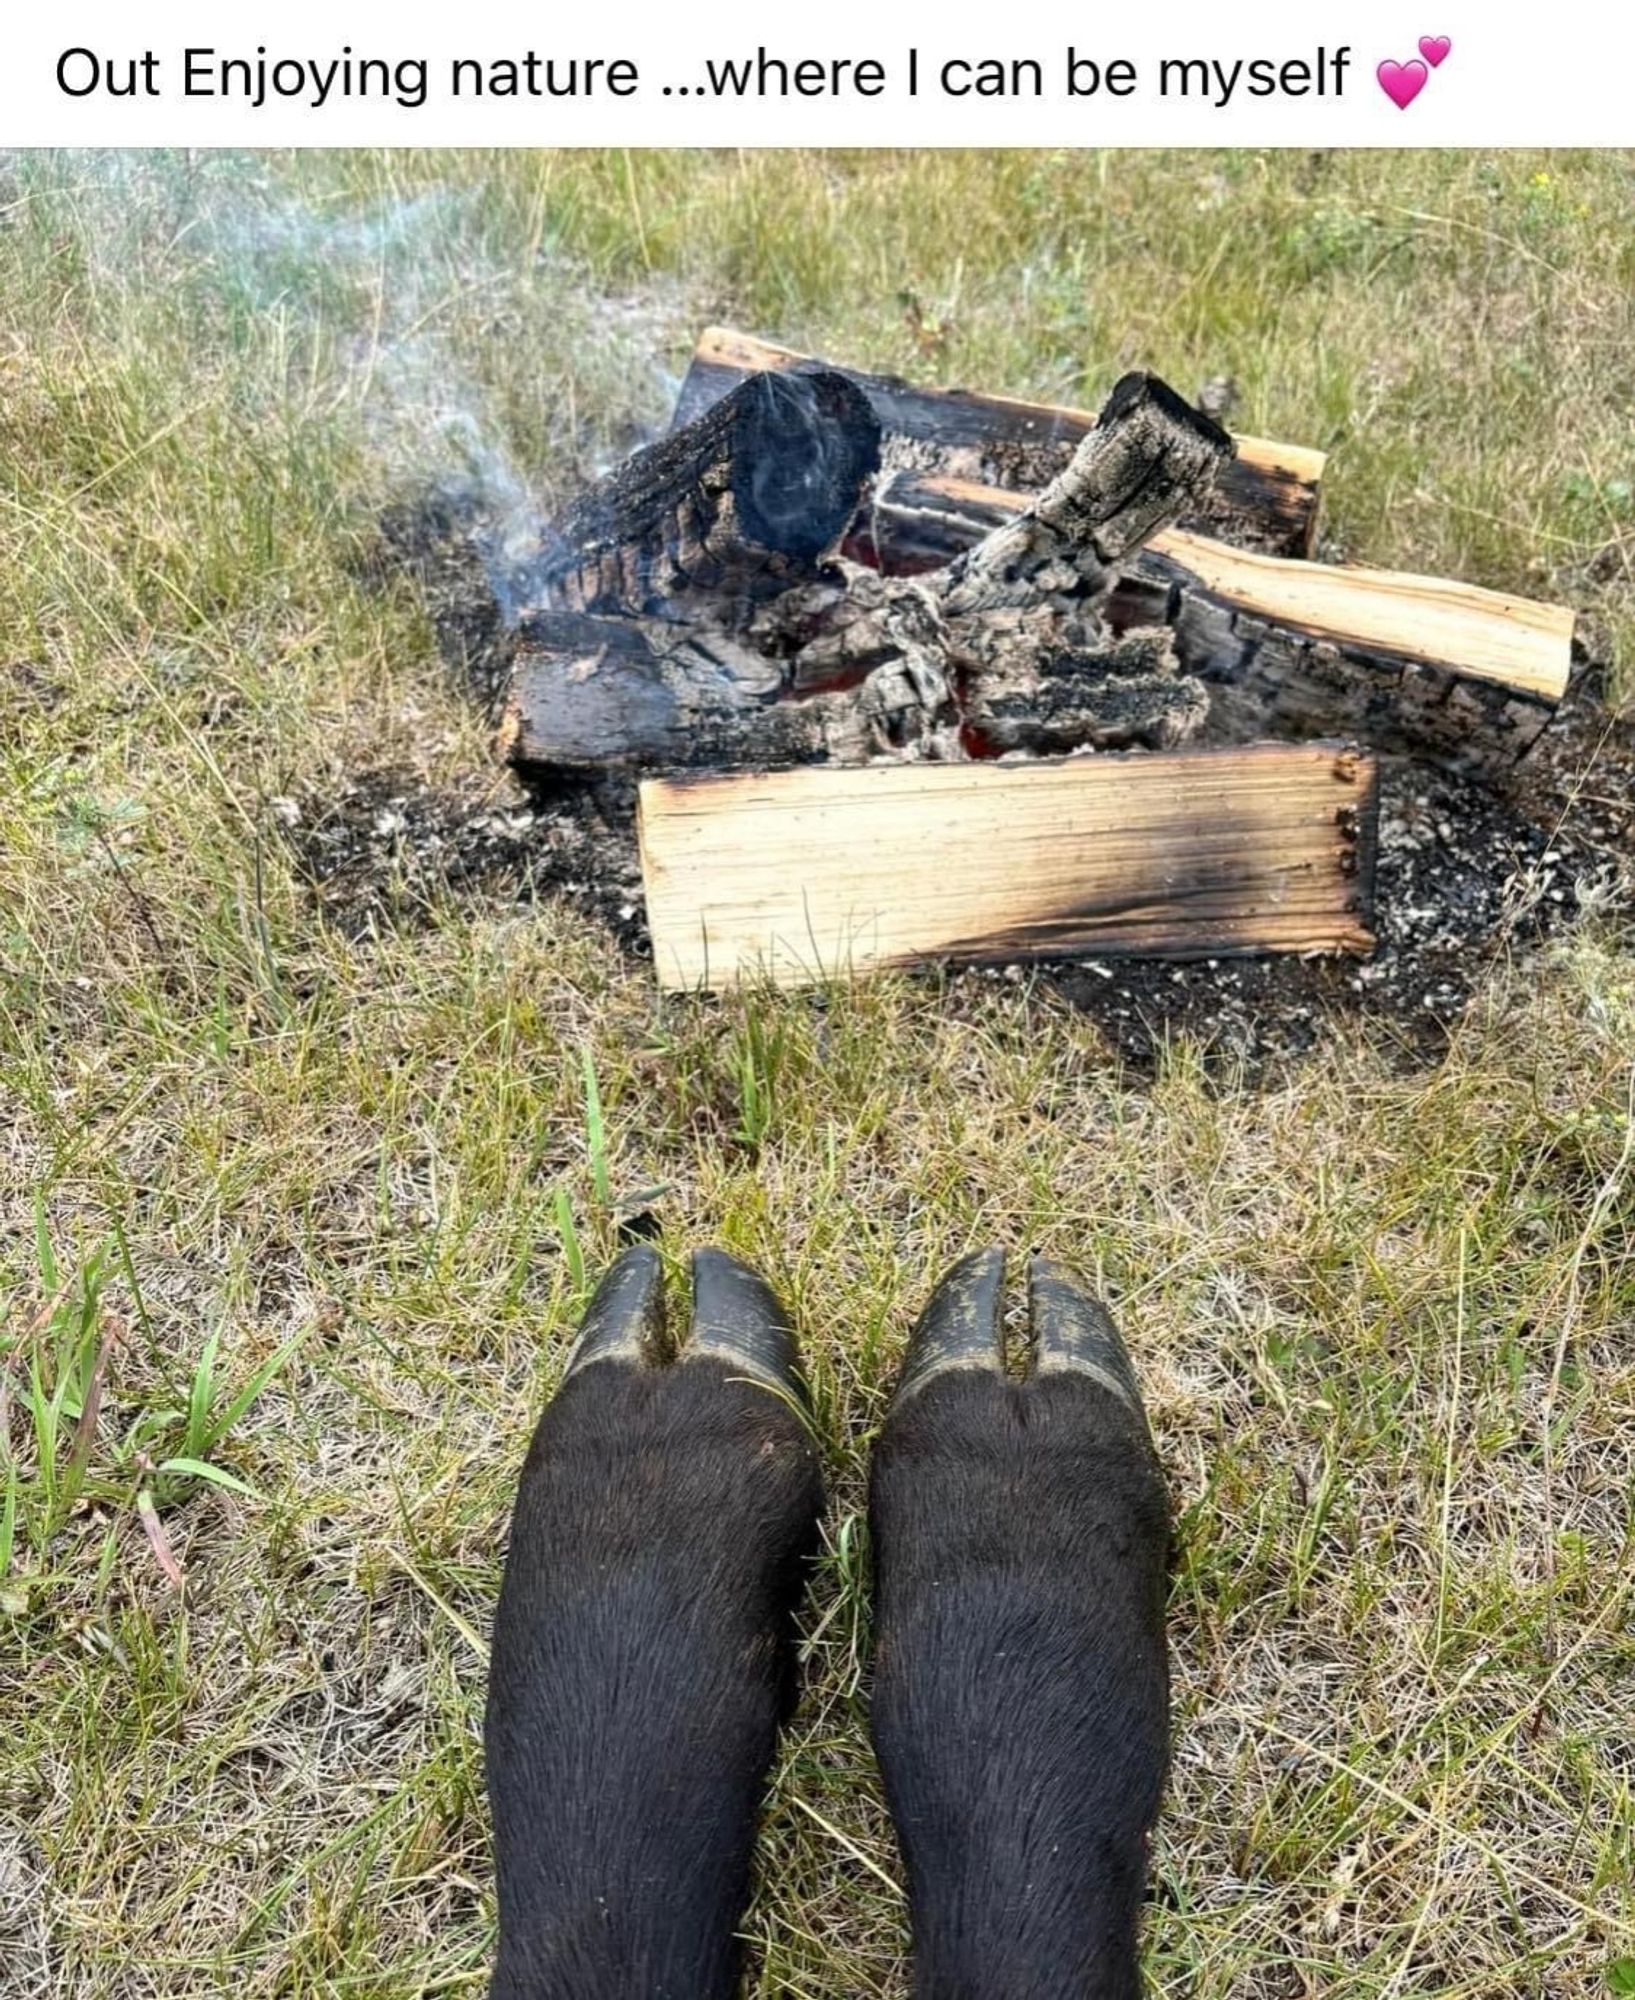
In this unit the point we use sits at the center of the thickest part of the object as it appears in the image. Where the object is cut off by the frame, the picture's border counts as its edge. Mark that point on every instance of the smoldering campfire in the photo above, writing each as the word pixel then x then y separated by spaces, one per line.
pixel 910 674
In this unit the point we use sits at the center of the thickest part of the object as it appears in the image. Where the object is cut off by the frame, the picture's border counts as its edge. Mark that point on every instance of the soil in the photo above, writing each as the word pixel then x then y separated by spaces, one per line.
pixel 1468 873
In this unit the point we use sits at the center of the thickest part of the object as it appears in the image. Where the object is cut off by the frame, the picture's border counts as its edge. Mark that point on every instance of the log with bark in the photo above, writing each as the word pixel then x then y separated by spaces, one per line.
pixel 687 631
pixel 1407 663
pixel 1266 497
pixel 805 875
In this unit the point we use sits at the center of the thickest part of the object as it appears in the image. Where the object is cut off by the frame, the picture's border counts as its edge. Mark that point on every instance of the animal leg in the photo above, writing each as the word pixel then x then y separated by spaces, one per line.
pixel 643 1651
pixel 1020 1713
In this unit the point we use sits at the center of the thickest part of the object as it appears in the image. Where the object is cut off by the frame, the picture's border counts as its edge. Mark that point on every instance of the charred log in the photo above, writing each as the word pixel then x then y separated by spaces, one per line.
pixel 1007 648
pixel 597 694
pixel 727 511
pixel 1464 676
pixel 1266 497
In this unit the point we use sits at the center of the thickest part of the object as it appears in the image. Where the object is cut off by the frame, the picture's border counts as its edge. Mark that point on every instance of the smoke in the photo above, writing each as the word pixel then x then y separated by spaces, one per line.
pixel 402 319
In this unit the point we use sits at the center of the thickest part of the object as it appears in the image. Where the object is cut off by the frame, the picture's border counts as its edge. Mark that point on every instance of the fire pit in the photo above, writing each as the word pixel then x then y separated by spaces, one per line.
pixel 821 569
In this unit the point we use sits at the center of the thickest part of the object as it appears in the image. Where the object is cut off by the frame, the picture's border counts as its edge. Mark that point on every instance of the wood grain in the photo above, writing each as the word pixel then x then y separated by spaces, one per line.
pixel 805 875
pixel 1485 634
pixel 922 521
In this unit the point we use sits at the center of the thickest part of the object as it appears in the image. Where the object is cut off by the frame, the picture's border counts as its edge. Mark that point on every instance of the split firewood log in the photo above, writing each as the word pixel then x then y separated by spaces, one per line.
pixel 807 875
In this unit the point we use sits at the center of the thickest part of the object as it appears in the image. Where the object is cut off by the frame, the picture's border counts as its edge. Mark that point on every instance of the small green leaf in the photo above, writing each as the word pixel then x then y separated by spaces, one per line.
pixel 8 1518
pixel 43 1255
pixel 1621 1976
pixel 202 1391
pixel 218 1429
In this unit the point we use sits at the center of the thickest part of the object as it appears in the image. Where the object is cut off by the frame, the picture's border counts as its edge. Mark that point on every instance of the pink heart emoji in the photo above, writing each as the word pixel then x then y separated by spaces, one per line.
pixel 1434 48
pixel 1402 82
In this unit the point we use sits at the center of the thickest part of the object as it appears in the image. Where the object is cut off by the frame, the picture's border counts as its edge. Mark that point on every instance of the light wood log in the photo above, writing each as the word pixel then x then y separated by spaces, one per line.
pixel 807 875
pixel 1266 497
pixel 1485 635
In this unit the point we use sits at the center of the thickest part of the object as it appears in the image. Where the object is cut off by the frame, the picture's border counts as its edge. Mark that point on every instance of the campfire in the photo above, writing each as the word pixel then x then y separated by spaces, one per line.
pixel 913 674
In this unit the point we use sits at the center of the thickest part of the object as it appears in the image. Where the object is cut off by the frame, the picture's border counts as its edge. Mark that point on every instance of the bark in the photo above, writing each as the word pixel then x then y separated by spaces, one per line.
pixel 1266 497
pixel 723 514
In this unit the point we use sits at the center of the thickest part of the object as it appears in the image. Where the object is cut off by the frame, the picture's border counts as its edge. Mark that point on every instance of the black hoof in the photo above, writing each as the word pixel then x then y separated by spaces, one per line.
pixel 1073 1332
pixel 644 1645
pixel 961 1325
pixel 625 1318
pixel 737 1320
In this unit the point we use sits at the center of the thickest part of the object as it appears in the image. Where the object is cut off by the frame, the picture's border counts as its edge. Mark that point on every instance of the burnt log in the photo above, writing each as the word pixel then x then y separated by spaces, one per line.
pixel 1006 648
pixel 1018 619
pixel 1266 497
pixel 600 694
pixel 732 509
pixel 1149 452
pixel 1464 676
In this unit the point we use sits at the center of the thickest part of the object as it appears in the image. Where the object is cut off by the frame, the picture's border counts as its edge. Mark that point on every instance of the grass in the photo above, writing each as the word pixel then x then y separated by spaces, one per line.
pixel 294 1226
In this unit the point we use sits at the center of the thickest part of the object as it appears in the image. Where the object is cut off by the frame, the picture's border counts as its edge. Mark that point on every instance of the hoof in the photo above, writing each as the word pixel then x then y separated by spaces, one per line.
pixel 736 1320
pixel 1071 1331
pixel 961 1325
pixel 625 1318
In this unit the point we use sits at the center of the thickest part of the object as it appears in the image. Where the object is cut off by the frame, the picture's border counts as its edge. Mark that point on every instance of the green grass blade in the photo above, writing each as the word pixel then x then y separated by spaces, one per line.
pixel 198 1468
pixel 596 1135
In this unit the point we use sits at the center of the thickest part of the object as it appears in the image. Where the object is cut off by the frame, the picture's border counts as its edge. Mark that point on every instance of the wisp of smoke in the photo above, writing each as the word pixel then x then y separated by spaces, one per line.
pixel 465 374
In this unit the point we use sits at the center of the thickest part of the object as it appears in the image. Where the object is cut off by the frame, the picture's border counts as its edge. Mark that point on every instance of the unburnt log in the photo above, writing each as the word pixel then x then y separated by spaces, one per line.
pixel 1266 497
pixel 803 875
pixel 1466 676
pixel 736 507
